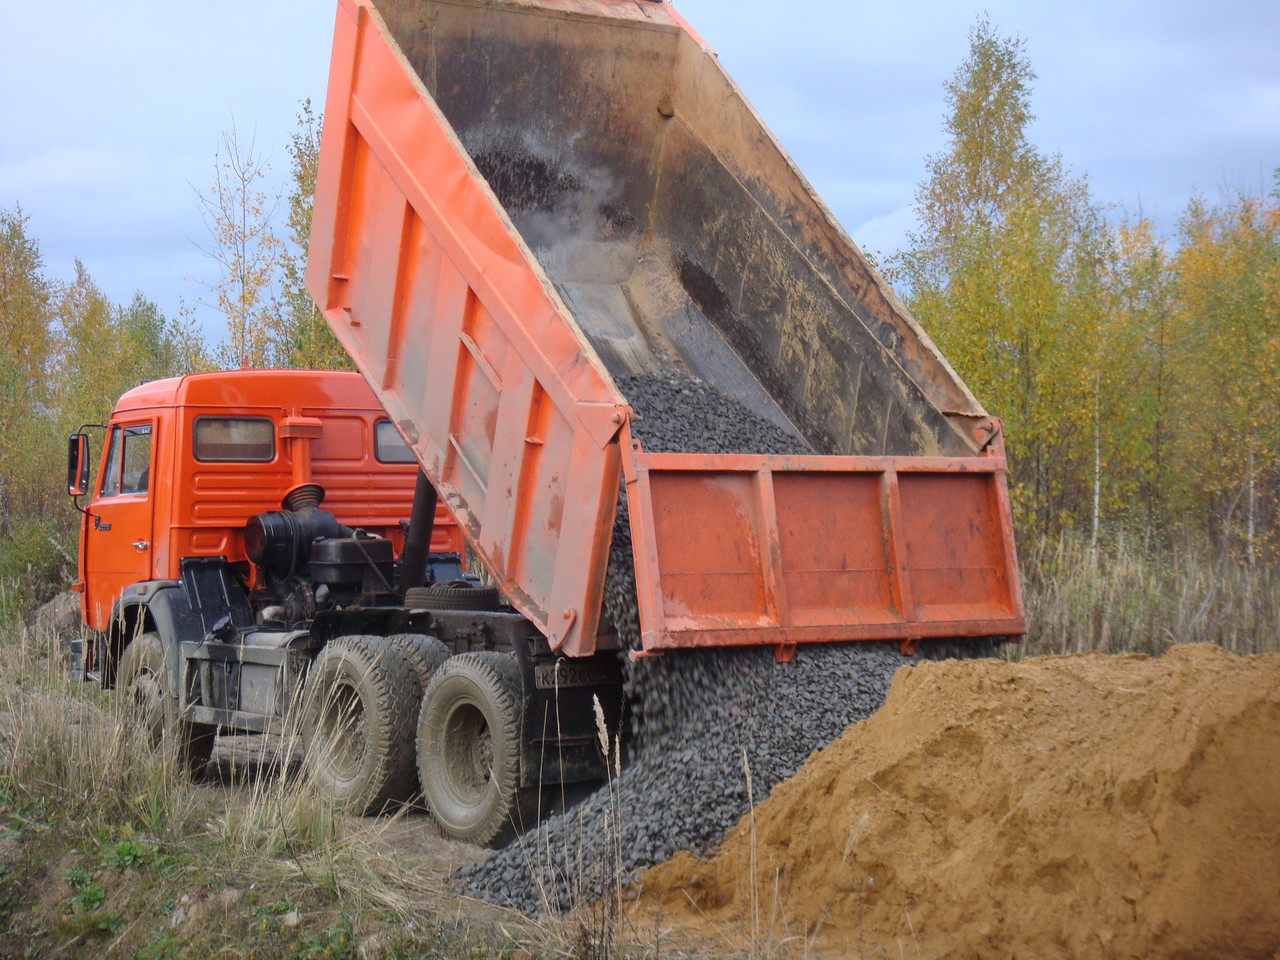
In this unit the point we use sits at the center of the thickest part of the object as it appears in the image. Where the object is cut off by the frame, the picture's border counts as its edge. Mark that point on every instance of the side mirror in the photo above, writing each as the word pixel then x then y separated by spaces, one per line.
pixel 78 464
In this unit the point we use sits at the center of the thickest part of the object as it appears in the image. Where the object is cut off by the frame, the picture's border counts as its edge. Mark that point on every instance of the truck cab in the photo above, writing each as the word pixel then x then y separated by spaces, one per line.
pixel 261 553
pixel 187 461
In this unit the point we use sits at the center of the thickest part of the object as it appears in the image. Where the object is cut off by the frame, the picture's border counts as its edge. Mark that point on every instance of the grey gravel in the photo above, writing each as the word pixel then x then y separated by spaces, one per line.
pixel 698 720
pixel 686 784
pixel 678 414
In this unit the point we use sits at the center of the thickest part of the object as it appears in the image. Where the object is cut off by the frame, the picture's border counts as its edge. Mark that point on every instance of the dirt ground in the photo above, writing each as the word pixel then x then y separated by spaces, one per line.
pixel 409 836
pixel 1061 807
pixel 1082 806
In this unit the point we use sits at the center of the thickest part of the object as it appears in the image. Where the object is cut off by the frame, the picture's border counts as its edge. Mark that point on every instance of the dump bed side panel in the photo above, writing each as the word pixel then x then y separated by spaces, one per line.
pixel 430 289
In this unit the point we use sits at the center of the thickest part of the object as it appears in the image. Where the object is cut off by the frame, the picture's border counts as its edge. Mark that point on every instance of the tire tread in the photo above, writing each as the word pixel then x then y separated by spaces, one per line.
pixel 384 672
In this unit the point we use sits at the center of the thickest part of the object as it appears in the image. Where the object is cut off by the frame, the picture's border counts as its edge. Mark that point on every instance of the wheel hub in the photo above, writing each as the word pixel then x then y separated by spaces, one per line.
pixel 342 730
pixel 468 751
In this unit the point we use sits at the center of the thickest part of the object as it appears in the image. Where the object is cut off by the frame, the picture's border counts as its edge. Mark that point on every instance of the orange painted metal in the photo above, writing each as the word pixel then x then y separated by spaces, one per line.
pixel 323 423
pixel 509 412
pixel 774 550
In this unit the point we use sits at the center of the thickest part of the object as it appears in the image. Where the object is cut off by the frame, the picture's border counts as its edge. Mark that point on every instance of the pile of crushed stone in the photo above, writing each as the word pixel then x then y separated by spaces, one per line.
pixel 685 784
pixel 692 715
pixel 678 414
pixel 1063 807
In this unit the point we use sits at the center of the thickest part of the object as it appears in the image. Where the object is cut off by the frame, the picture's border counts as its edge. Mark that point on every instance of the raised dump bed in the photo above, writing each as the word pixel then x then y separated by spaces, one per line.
pixel 520 205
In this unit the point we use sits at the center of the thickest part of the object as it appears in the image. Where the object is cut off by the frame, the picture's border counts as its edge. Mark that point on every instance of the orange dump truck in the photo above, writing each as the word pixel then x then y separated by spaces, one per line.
pixel 525 208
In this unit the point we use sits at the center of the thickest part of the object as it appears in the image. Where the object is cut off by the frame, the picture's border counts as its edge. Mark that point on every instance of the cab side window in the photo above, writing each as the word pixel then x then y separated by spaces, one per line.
pixel 128 468
pixel 135 466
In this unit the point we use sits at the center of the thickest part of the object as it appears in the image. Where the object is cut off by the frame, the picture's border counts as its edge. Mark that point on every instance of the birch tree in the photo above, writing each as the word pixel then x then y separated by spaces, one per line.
pixel 1228 287
pixel 238 211
pixel 26 349
pixel 994 271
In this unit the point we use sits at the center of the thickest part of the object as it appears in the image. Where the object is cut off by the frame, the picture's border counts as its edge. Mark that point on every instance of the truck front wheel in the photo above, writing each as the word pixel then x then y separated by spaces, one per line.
pixel 469 749
pixel 357 723
pixel 142 683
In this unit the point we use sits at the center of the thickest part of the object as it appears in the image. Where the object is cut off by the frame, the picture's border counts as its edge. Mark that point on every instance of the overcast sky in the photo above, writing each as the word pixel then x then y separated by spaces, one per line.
pixel 110 112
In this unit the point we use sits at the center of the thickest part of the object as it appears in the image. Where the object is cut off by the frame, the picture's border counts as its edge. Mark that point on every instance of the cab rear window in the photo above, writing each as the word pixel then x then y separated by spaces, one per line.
pixel 388 445
pixel 234 440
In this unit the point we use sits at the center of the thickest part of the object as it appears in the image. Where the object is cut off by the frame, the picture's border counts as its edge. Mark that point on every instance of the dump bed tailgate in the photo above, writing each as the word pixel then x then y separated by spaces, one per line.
pixel 736 550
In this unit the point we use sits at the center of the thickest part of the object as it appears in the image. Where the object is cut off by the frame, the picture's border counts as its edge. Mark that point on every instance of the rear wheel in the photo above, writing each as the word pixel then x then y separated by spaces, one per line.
pixel 425 654
pixel 469 749
pixel 357 721
pixel 144 691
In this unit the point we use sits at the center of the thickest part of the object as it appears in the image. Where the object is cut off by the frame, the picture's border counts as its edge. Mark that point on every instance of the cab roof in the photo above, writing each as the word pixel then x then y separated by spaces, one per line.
pixel 239 389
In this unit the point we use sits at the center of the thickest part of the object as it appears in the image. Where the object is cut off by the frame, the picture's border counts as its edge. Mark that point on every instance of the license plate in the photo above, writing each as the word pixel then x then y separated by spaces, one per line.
pixel 549 676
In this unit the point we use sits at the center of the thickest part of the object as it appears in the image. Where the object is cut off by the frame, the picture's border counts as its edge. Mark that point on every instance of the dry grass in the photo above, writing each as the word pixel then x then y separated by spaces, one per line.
pixel 592 926
pixel 78 781
pixel 1129 596
pixel 63 746
pixel 79 784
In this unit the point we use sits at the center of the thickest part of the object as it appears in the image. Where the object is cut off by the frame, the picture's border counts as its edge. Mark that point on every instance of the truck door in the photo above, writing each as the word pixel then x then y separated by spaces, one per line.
pixel 118 543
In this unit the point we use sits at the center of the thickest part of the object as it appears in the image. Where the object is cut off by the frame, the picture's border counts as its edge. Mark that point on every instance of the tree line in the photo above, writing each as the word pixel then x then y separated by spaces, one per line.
pixel 67 352
pixel 1137 376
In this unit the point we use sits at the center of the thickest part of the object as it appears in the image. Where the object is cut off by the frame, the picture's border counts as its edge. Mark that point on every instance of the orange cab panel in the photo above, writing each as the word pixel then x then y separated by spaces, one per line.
pixel 189 460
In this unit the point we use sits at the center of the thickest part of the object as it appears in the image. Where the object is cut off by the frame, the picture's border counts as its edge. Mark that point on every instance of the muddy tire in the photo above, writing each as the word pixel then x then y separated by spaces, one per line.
pixel 454 595
pixel 143 687
pixel 357 723
pixel 425 654
pixel 469 749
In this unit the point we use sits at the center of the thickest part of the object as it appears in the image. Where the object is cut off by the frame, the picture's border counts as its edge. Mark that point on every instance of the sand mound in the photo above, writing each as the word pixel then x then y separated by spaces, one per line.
pixel 1082 806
